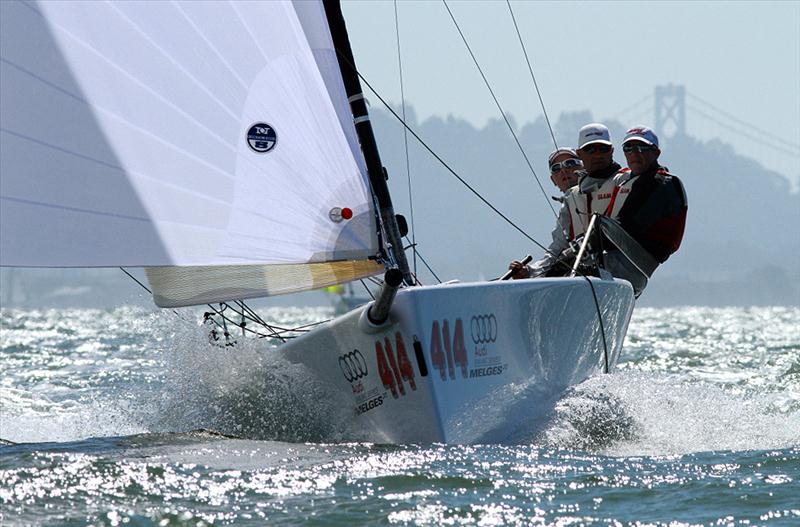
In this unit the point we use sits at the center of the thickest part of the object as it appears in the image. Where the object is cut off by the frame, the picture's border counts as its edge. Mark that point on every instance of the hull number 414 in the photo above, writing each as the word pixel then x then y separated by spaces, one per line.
pixel 394 368
pixel 447 354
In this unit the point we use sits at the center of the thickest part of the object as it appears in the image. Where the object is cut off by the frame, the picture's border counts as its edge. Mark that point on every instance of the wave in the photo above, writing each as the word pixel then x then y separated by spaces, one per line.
pixel 633 413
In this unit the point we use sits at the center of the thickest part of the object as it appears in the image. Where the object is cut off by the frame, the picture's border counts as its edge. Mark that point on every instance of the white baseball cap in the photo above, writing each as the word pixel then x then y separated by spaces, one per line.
pixel 641 133
pixel 593 133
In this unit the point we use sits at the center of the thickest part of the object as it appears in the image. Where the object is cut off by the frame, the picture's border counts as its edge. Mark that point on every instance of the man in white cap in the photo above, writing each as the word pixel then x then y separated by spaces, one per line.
pixel 565 167
pixel 593 193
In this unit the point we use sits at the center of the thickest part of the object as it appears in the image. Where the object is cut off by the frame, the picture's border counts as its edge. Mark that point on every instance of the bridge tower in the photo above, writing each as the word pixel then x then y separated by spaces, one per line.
pixel 670 110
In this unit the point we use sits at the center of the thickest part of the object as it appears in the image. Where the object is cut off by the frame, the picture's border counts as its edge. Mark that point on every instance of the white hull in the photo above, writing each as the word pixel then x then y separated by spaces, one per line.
pixel 451 361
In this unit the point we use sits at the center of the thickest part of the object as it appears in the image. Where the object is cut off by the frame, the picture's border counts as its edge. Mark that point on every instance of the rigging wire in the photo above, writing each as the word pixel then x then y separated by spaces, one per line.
pixel 500 108
pixel 530 69
pixel 367 288
pixel 405 134
pixel 146 288
pixel 414 248
pixel 443 162
pixel 275 331
pixel 555 143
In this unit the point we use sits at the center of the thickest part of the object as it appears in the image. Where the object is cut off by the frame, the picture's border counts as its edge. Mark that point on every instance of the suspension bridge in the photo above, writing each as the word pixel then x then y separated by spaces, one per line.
pixel 668 105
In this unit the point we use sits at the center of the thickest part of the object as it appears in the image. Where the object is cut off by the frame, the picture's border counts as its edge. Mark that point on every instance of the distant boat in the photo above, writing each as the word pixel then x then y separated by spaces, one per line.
pixel 344 299
pixel 227 149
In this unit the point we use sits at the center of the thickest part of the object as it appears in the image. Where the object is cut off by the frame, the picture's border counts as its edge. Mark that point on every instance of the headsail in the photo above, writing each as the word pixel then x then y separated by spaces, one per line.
pixel 186 134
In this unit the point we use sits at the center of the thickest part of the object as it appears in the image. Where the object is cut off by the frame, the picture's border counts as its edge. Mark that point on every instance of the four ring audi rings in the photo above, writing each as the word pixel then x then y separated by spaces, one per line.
pixel 353 366
pixel 483 329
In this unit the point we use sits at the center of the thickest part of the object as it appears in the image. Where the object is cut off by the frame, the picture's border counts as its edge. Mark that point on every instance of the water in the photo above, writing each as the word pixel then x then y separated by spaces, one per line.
pixel 128 417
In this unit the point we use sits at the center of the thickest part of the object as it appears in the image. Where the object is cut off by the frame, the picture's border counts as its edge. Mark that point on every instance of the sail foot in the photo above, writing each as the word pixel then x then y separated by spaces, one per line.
pixel 195 285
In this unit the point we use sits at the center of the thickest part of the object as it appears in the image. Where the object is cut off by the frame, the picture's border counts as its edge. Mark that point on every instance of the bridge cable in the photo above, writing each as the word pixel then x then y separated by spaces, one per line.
pixel 632 106
pixel 744 123
pixel 744 134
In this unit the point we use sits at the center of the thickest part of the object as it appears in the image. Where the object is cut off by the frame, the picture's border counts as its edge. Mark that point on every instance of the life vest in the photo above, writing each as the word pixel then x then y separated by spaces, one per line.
pixel 586 198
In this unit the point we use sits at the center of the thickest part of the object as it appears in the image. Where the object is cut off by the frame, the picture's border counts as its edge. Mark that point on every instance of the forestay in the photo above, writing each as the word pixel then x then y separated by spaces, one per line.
pixel 167 134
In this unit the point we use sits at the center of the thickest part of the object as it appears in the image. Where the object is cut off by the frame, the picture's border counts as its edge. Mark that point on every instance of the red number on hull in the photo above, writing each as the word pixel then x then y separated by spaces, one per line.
pixel 459 351
pixel 444 355
pixel 393 363
pixel 394 369
pixel 437 354
pixel 406 369
pixel 387 378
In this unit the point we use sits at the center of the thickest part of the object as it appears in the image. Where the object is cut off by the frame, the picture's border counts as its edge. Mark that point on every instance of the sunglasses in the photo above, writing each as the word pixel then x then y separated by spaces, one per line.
pixel 567 163
pixel 591 149
pixel 639 148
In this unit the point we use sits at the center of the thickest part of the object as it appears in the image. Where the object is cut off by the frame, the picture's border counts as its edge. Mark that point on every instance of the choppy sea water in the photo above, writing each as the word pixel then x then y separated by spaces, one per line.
pixel 126 417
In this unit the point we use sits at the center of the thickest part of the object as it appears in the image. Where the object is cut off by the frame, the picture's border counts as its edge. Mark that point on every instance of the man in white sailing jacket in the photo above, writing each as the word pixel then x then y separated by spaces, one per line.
pixel 591 194
pixel 565 167
pixel 594 190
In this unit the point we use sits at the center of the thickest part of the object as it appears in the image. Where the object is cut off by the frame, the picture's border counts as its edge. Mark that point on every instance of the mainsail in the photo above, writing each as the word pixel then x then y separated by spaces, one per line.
pixel 211 142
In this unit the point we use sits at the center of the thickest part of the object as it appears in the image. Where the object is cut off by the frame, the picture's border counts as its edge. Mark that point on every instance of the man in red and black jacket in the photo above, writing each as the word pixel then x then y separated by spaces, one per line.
pixel 654 212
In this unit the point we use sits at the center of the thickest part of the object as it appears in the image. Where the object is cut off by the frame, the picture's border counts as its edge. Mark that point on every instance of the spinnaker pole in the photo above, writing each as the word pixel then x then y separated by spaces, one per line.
pixel 358 106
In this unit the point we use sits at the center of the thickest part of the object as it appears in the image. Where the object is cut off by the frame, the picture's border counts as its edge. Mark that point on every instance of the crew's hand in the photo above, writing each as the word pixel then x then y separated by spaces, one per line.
pixel 520 270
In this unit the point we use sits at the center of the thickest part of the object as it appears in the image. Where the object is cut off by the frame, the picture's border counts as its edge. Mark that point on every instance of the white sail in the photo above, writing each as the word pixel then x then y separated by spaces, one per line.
pixel 176 134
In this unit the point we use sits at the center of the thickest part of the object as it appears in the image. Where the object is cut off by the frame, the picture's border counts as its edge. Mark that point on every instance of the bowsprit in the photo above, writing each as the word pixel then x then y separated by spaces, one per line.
pixel 353 366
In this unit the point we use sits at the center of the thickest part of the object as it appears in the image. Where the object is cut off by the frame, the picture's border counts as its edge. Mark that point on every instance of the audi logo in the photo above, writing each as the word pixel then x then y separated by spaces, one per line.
pixel 483 329
pixel 353 366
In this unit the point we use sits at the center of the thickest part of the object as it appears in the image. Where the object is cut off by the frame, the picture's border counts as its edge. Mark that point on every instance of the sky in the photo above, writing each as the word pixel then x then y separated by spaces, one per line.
pixel 741 57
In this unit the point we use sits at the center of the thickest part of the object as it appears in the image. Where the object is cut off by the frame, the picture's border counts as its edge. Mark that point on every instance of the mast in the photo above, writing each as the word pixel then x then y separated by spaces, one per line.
pixel 358 106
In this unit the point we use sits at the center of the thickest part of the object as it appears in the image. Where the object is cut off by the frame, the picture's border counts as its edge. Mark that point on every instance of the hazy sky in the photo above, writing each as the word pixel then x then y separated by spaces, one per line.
pixel 743 57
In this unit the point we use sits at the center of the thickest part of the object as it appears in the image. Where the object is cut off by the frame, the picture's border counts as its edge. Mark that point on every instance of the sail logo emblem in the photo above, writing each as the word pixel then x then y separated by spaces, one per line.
pixel 353 366
pixel 262 138
pixel 483 329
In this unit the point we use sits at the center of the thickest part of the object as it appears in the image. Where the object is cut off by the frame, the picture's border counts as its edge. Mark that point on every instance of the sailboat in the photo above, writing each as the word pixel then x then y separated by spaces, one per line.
pixel 227 149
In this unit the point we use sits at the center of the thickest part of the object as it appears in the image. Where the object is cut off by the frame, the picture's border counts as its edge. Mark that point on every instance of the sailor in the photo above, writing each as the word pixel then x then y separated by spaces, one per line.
pixel 592 194
pixel 594 189
pixel 648 202
pixel 565 167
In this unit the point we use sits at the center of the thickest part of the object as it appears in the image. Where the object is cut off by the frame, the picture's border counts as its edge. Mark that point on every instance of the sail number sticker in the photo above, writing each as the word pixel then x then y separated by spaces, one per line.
pixel 394 368
pixel 446 354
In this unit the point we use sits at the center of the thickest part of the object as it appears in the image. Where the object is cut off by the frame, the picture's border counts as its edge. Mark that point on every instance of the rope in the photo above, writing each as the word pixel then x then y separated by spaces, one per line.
pixel 414 248
pixel 600 320
pixel 405 134
pixel 367 288
pixel 275 331
pixel 446 166
pixel 530 69
pixel 500 108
